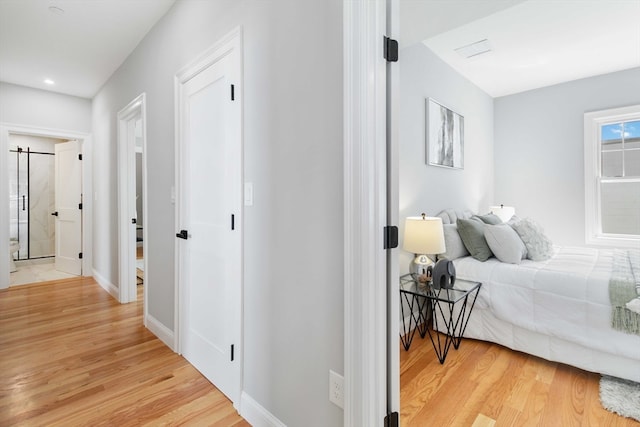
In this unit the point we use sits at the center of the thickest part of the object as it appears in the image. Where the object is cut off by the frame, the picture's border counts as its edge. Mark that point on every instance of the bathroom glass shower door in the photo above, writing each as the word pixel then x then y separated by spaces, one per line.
pixel 31 202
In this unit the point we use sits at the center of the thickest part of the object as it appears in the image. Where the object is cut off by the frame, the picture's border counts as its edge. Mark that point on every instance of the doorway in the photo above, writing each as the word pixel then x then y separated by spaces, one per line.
pixel 209 214
pixel 36 239
pixel 132 201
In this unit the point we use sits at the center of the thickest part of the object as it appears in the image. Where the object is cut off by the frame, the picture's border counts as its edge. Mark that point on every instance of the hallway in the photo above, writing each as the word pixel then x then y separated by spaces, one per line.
pixel 72 355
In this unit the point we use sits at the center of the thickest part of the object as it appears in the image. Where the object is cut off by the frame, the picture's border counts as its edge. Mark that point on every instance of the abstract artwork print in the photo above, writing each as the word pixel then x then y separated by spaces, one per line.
pixel 445 136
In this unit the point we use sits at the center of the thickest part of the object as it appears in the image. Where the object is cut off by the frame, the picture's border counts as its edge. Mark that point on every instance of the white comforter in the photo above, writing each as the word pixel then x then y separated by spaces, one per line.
pixel 565 297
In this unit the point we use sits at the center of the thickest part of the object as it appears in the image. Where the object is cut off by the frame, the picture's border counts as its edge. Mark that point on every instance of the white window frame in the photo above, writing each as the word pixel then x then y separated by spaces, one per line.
pixel 592 179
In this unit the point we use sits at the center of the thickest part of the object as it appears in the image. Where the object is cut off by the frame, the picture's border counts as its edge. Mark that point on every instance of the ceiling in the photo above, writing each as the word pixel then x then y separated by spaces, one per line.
pixel 538 43
pixel 79 48
pixel 535 42
pixel 421 19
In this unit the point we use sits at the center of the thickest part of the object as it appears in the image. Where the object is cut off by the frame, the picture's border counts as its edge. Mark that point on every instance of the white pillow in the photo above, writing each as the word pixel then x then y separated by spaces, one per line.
pixel 539 246
pixel 453 243
pixel 505 243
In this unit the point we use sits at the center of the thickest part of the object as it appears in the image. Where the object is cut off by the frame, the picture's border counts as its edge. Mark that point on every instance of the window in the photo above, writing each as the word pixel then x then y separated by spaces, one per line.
pixel 612 176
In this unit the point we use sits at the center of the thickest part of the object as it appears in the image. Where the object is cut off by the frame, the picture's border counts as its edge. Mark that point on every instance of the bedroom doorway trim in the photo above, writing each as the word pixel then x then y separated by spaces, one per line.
pixel 127 118
pixel 84 140
pixel 369 394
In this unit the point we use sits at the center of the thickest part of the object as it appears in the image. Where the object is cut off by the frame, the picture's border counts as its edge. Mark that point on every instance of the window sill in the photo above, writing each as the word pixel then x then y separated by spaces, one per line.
pixel 614 241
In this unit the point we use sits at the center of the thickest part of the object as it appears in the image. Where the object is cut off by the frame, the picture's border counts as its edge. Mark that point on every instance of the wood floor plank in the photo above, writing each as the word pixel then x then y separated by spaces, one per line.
pixel 481 383
pixel 72 355
pixel 535 406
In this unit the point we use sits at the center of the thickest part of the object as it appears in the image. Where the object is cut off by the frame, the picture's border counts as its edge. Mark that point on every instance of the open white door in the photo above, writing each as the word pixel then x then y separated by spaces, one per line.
pixel 209 199
pixel 131 127
pixel 68 208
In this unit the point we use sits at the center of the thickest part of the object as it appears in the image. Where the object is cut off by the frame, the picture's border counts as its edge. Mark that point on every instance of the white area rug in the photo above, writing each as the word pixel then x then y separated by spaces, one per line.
pixel 620 396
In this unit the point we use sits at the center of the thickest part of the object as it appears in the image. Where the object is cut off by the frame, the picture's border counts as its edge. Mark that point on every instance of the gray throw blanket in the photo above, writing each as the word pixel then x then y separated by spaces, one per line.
pixel 622 289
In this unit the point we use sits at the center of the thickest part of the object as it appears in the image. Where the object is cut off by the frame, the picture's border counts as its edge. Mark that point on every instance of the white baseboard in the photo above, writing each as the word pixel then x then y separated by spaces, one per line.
pixel 255 414
pixel 165 334
pixel 107 285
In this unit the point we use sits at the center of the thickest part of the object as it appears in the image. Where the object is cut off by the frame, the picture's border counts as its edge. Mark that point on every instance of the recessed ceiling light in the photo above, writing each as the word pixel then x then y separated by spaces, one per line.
pixel 49 81
pixel 57 10
pixel 474 49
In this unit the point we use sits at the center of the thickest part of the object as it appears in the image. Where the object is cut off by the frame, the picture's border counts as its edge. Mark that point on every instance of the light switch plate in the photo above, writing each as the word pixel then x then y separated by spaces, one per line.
pixel 248 194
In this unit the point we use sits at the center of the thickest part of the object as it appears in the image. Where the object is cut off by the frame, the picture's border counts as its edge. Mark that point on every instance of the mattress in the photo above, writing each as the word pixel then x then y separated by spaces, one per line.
pixel 565 299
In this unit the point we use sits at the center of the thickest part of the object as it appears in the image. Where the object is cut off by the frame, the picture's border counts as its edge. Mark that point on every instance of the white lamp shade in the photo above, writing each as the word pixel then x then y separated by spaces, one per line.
pixel 424 235
pixel 503 212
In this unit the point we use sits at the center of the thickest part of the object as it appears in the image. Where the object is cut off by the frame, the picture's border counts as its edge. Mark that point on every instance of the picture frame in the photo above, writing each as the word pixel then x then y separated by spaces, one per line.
pixel 445 136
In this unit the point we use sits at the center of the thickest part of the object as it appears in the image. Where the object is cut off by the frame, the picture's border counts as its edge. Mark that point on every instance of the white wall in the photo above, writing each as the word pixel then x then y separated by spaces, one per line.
pixel 20 105
pixel 539 149
pixel 293 271
pixel 430 189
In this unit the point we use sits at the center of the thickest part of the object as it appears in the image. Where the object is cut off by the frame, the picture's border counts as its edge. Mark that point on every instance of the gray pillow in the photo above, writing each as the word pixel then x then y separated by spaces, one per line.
pixel 453 243
pixel 539 246
pixel 489 218
pixel 505 243
pixel 472 234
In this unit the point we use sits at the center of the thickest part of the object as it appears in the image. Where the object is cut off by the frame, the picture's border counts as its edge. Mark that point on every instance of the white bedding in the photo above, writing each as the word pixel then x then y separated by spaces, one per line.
pixel 562 302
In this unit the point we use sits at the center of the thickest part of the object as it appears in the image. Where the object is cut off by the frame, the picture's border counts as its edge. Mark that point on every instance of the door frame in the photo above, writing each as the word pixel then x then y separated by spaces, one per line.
pixel 84 142
pixel 231 43
pixel 370 166
pixel 127 286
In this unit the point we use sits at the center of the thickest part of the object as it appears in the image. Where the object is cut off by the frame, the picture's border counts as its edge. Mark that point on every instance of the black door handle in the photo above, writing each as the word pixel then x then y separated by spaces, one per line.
pixel 133 221
pixel 23 203
pixel 182 234
pixel 55 213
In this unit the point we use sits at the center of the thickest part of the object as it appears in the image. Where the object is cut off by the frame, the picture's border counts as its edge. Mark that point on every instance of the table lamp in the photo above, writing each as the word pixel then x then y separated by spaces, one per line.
pixel 423 236
pixel 503 212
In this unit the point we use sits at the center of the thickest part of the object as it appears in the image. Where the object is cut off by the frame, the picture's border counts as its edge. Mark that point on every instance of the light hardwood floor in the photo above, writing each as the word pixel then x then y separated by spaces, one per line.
pixel 483 384
pixel 70 355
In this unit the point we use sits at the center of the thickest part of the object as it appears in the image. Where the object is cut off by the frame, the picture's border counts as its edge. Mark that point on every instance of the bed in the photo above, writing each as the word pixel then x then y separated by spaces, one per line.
pixel 558 309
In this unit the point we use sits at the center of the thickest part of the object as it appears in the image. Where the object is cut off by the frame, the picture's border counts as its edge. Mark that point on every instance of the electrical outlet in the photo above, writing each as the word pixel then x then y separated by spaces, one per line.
pixel 336 389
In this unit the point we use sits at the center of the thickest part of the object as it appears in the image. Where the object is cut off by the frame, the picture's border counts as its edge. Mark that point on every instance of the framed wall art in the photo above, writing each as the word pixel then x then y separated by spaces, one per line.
pixel 445 136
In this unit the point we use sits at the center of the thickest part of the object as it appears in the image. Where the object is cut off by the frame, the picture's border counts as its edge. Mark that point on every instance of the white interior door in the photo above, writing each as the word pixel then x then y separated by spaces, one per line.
pixel 131 131
pixel 210 202
pixel 68 171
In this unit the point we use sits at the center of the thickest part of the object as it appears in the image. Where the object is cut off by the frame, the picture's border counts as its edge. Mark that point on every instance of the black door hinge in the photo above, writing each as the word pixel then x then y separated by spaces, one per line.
pixel 80 255
pixel 233 222
pixel 80 206
pixel 79 156
pixel 392 420
pixel 390 49
pixel 390 237
pixel 232 353
pixel 233 92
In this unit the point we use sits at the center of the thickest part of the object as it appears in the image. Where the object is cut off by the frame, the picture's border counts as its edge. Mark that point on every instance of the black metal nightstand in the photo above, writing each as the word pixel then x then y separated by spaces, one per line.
pixel 432 310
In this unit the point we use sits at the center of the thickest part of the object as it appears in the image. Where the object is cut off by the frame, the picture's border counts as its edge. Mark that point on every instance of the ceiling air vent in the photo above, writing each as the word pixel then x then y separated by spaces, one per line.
pixel 474 49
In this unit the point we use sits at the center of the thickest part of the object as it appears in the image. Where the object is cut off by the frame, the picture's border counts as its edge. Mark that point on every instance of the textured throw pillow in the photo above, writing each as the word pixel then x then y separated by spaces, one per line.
pixel 513 220
pixel 472 234
pixel 505 243
pixel 453 243
pixel 489 218
pixel 539 247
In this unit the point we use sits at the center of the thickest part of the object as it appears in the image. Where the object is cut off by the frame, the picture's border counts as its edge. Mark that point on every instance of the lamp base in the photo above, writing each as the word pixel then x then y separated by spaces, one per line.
pixel 420 268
